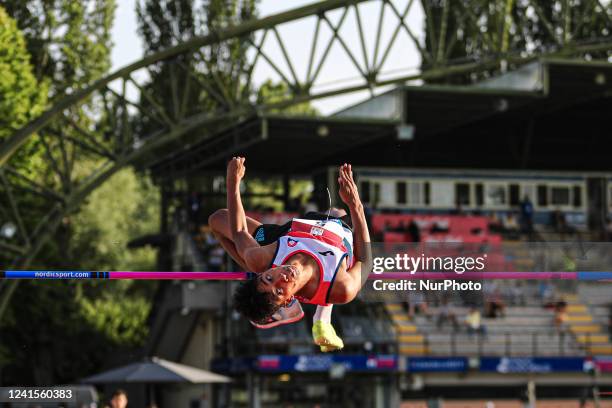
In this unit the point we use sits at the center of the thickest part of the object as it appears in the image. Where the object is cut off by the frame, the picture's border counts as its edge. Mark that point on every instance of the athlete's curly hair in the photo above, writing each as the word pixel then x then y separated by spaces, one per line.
pixel 254 305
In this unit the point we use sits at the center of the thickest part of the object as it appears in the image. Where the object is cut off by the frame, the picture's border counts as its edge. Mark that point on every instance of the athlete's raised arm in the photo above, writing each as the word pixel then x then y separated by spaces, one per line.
pixel 354 279
pixel 246 246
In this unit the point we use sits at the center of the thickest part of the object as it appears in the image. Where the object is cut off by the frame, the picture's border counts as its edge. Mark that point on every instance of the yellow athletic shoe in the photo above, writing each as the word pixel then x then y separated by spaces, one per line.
pixel 324 335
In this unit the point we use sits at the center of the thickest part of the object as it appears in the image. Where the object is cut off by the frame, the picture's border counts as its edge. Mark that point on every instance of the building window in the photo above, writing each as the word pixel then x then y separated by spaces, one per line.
pixel 415 193
pixel 542 196
pixel 462 193
pixel 479 195
pixel 560 196
pixel 400 192
pixel 515 198
pixel 365 191
pixel 427 193
pixel 495 195
pixel 376 194
pixel 577 197
pixel 386 194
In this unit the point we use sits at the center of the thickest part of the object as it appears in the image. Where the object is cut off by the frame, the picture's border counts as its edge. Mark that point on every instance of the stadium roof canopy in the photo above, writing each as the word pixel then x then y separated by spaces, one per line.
pixel 550 114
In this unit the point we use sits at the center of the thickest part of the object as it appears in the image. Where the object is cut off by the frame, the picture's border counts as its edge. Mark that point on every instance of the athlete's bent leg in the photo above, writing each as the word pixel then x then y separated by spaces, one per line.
pixel 220 226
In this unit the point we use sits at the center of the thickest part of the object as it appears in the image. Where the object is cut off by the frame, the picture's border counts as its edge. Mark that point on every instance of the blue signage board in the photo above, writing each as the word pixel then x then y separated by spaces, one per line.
pixel 325 362
pixel 531 364
pixel 437 364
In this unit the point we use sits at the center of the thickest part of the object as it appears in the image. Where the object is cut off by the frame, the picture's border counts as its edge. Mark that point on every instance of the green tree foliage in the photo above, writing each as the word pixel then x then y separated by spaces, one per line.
pixel 71 327
pixel 22 96
pixel 69 41
pixel 62 331
pixel 124 208
pixel 69 45
pixel 276 93
pixel 472 30
pixel 120 319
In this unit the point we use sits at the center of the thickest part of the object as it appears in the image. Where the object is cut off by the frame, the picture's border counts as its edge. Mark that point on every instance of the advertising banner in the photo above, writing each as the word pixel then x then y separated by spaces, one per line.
pixel 531 364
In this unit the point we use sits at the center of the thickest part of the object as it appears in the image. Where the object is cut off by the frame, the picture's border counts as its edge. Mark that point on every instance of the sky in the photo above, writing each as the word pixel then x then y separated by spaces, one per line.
pixel 297 37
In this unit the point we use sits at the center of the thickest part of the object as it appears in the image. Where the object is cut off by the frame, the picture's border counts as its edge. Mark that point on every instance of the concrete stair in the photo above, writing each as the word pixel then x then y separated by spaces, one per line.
pixel 410 341
pixel 584 325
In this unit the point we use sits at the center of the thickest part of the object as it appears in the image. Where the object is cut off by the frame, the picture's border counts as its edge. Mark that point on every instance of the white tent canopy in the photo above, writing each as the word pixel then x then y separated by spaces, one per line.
pixel 156 370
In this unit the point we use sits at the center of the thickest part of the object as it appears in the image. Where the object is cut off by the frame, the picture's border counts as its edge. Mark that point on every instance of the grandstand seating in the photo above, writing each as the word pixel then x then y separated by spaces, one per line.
pixel 435 228
pixel 523 330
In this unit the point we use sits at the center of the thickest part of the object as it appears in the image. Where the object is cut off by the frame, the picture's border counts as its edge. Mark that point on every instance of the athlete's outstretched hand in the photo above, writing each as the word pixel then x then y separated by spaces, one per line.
pixel 235 170
pixel 348 188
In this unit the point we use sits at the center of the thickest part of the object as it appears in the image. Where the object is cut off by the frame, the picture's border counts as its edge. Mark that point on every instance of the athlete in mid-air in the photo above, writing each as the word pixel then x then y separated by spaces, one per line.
pixel 314 259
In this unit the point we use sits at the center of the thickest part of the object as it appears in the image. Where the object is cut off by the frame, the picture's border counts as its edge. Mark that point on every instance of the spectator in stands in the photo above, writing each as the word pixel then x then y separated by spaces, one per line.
pixel 417 304
pixel 495 306
pixel 511 226
pixel 516 294
pixel 401 227
pixel 473 322
pixel 414 231
pixel 560 225
pixel 387 227
pixel 495 224
pixel 446 314
pixel 560 316
pixel 546 292
pixel 527 216
pixel 557 220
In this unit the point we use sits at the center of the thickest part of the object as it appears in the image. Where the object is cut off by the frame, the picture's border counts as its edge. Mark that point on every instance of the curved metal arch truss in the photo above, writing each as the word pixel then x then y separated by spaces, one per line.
pixel 128 123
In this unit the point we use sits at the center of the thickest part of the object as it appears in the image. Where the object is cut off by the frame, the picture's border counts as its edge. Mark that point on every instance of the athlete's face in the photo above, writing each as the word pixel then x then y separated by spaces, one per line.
pixel 280 282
